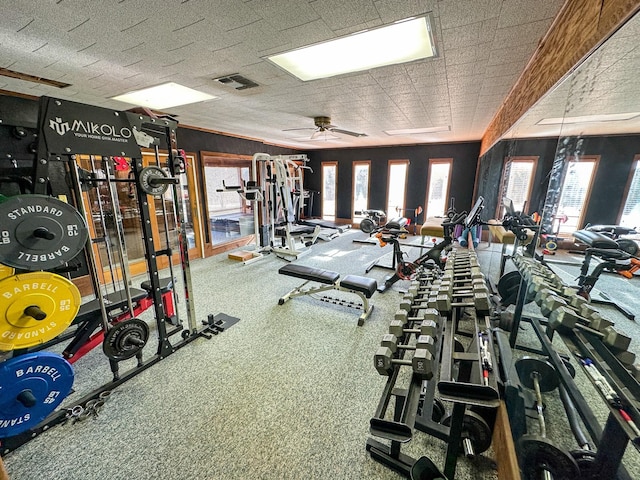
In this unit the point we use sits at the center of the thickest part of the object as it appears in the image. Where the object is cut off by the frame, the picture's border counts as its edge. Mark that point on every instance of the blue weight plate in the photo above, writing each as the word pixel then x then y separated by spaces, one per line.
pixel 31 387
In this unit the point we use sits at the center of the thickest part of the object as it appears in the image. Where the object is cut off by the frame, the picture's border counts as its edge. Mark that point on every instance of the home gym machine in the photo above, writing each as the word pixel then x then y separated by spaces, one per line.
pixel 276 194
pixel 61 214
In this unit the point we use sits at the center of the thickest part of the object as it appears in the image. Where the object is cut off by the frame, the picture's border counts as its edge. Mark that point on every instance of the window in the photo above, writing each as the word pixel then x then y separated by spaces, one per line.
pixel 630 216
pixel 517 178
pixel 329 182
pixel 360 189
pixel 575 193
pixel 438 187
pixel 396 188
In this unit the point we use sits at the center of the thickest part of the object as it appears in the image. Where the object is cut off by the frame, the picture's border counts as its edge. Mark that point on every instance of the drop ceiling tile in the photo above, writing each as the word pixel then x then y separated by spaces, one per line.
pixel 519 12
pixel 461 37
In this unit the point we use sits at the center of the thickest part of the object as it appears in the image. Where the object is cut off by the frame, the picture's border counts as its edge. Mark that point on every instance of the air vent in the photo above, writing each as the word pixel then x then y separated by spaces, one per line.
pixel 236 81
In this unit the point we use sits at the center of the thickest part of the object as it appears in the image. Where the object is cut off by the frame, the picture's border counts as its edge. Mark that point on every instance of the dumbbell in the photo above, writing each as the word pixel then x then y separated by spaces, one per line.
pixel 426 327
pixel 539 457
pixel 618 345
pixel 476 433
pixel 422 314
pixel 426 342
pixel 421 363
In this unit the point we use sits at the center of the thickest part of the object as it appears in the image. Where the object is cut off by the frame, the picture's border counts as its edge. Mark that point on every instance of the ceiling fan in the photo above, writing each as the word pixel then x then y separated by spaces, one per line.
pixel 323 126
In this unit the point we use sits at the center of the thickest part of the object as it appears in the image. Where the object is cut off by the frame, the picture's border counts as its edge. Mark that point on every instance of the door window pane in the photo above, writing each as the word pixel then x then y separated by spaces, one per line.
pixel 396 189
pixel 438 190
pixel 517 181
pixel 329 191
pixel 575 190
pixel 360 189
pixel 230 216
pixel 631 211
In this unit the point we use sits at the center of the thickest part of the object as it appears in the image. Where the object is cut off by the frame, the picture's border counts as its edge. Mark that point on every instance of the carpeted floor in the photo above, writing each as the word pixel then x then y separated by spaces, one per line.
pixel 287 393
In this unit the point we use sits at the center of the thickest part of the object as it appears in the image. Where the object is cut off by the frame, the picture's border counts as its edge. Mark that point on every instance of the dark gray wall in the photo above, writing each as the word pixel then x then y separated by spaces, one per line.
pixel 464 156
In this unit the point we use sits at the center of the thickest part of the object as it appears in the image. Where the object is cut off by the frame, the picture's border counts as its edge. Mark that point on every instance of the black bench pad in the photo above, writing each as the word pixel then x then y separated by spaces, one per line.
pixel 310 273
pixel 295 230
pixel 595 239
pixel 396 223
pixel 365 285
pixel 616 230
pixel 113 301
pixel 165 285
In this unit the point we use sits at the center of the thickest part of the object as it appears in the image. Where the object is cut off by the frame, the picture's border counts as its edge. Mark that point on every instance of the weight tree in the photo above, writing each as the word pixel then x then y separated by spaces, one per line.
pixel 45 236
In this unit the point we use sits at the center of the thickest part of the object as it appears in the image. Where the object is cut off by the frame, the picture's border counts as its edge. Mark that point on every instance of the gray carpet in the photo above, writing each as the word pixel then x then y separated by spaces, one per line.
pixel 287 393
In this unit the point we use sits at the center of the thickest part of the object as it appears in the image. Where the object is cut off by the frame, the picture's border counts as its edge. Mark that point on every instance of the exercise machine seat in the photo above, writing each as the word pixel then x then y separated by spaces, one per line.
pixel 166 284
pixel 396 223
pixel 595 239
pixel 295 230
pixel 615 230
pixel 432 227
pixel 365 285
pixel 310 273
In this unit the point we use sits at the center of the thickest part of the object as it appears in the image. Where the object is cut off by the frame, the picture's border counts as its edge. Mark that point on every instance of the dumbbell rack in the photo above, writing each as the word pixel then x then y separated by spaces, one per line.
pixel 612 440
pixel 453 295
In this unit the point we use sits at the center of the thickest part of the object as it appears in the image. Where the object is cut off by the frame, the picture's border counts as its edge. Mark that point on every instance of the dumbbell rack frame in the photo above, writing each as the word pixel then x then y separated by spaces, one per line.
pixel 611 440
pixel 457 391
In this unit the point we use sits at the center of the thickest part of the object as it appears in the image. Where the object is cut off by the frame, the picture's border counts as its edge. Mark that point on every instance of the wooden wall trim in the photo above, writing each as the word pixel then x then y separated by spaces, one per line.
pixel 578 29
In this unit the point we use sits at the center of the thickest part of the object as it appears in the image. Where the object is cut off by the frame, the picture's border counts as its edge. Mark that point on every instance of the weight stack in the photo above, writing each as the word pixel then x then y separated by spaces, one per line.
pixel 264 236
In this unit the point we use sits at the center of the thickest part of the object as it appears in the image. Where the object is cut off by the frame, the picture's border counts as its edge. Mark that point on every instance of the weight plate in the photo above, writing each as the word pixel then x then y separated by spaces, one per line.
pixel 367 225
pixel 586 460
pixel 439 411
pixel 5 271
pixel 536 454
pixel 475 428
pixel 39 232
pixel 508 287
pixel 147 184
pixel 125 339
pixel 36 307
pixel 33 385
pixel 547 375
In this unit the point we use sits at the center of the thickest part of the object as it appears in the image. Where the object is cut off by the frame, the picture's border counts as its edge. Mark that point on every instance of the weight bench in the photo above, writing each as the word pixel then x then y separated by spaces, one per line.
pixel 364 287
pixel 612 258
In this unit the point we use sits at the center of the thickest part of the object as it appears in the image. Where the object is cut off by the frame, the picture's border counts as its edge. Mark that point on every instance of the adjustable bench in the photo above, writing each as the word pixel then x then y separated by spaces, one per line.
pixel 364 287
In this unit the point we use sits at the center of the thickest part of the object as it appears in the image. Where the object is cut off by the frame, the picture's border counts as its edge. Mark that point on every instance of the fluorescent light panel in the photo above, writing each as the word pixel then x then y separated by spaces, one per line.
pixel 611 117
pixel 414 131
pixel 401 42
pixel 164 96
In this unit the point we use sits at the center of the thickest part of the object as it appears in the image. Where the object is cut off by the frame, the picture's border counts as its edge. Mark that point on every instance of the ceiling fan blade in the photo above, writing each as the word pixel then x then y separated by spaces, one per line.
pixel 347 132
pixel 292 129
pixel 316 134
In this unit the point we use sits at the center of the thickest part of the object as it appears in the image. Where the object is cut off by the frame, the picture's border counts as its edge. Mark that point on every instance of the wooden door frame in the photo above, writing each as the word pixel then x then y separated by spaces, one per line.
pixel 354 164
pixel 434 161
pixel 335 188
pixel 390 163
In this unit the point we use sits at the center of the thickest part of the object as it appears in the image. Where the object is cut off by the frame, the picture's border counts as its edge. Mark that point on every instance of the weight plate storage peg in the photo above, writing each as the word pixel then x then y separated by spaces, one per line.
pixel 35 308
pixel 154 181
pixel 33 385
pixel 125 339
pixel 38 232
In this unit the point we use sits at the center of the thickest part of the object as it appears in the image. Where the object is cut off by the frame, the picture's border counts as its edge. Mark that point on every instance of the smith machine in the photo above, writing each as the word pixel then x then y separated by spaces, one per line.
pixel 61 217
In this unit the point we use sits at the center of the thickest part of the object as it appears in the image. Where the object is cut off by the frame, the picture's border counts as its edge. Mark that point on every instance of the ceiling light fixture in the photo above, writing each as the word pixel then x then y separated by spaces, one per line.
pixel 164 96
pixel 401 42
pixel 415 131
pixel 611 117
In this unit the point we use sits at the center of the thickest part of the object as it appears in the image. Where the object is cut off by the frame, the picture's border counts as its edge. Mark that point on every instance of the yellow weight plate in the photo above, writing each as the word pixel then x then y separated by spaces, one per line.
pixel 5 271
pixel 35 308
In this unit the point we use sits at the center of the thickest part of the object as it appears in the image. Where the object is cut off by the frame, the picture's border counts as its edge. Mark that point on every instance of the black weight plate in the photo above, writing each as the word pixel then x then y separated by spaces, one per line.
pixel 508 287
pixel 367 225
pixel 147 175
pixel 536 454
pixel 439 411
pixel 33 385
pixel 125 339
pixel 586 460
pixel 547 375
pixel 38 232
pixel 475 428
